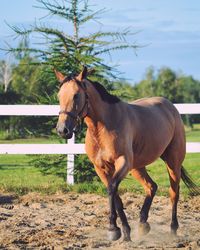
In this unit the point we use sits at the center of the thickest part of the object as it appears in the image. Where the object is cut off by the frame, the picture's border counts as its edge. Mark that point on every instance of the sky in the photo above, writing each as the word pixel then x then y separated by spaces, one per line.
pixel 168 32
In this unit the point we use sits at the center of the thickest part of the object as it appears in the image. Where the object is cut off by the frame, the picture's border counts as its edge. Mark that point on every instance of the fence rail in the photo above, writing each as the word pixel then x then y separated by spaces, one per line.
pixel 35 149
pixel 70 148
pixel 52 110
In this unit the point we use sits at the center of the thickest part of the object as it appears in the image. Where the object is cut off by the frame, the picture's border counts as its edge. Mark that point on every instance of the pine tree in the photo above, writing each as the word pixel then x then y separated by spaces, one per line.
pixel 69 52
pixel 5 74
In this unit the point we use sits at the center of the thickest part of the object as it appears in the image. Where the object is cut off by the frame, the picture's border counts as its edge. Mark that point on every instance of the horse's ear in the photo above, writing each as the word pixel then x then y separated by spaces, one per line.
pixel 83 74
pixel 91 71
pixel 59 76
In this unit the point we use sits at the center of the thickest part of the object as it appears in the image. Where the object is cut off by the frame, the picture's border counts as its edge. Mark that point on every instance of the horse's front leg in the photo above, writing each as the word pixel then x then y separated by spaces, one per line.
pixel 122 215
pixel 121 170
pixel 112 181
pixel 114 232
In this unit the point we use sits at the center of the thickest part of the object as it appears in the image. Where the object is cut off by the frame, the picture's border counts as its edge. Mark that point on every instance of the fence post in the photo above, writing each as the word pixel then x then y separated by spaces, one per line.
pixel 70 163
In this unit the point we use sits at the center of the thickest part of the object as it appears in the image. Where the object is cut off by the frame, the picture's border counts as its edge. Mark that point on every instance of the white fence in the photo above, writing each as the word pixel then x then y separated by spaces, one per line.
pixel 70 148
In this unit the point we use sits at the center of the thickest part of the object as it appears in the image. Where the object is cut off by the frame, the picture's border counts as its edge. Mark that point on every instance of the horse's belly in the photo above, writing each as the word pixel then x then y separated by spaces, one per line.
pixel 148 153
pixel 140 161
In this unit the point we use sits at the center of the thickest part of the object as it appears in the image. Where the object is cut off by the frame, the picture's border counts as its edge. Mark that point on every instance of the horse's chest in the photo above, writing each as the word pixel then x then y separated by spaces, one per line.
pixel 103 156
pixel 101 152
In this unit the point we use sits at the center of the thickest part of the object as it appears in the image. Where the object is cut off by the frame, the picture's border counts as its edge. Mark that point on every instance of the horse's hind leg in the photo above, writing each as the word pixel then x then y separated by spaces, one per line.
pixel 173 157
pixel 174 176
pixel 150 188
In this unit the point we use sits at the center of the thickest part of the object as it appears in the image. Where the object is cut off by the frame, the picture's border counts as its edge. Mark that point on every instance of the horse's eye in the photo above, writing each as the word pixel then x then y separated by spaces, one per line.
pixel 76 96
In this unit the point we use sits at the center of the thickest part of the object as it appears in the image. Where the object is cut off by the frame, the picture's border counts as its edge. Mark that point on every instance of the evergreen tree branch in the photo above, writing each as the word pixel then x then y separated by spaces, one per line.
pixel 120 47
pixel 54 9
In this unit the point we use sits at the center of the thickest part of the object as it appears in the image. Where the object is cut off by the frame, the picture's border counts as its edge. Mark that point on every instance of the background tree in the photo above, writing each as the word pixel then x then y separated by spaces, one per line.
pixel 68 51
pixel 178 88
pixel 24 88
pixel 25 79
pixel 167 84
pixel 5 74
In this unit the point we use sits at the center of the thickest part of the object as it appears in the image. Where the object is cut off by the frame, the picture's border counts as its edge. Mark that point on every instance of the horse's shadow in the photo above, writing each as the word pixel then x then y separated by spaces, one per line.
pixel 7 199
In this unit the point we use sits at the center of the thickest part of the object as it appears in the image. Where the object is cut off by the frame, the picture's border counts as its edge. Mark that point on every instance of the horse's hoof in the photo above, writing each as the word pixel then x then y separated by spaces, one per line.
pixel 127 238
pixel 144 228
pixel 114 234
pixel 173 233
pixel 174 228
pixel 126 233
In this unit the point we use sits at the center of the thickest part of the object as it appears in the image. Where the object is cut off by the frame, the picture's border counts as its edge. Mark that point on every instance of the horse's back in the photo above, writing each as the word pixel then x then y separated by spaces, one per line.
pixel 156 107
pixel 152 102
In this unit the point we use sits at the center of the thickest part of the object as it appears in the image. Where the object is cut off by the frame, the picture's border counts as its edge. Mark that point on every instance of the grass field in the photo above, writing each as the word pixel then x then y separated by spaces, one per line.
pixel 194 134
pixel 18 176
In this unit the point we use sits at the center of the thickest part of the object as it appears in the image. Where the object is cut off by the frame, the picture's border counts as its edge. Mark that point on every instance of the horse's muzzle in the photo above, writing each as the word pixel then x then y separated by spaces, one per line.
pixel 64 132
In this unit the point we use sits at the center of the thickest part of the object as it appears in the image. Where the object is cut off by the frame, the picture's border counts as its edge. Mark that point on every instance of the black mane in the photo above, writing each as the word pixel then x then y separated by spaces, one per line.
pixel 105 96
pixel 67 79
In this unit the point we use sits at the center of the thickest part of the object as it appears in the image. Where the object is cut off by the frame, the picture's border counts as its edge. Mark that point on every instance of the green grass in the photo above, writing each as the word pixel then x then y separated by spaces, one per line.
pixel 158 173
pixel 194 134
pixel 23 179
pixel 18 176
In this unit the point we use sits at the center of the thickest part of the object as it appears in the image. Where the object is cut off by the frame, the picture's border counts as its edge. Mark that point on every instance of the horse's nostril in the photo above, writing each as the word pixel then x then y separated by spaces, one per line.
pixel 66 131
pixel 61 130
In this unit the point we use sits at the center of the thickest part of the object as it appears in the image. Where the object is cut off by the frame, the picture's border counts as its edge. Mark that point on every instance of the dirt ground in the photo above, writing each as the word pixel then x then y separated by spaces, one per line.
pixel 79 221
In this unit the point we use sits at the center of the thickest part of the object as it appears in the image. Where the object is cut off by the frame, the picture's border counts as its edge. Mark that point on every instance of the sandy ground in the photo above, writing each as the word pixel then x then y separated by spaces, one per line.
pixel 79 221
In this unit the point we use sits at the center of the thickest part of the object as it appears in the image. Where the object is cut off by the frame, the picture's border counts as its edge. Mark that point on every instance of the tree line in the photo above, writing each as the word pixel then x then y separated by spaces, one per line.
pixel 31 84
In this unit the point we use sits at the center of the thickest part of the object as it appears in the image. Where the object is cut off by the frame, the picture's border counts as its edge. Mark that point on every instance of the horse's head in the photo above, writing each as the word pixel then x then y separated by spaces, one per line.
pixel 73 103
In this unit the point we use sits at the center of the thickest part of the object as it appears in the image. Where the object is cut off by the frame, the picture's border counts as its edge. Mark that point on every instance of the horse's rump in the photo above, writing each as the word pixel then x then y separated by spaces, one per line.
pixel 157 123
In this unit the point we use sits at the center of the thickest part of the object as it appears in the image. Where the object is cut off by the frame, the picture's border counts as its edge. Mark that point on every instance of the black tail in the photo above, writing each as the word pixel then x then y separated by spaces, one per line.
pixel 193 188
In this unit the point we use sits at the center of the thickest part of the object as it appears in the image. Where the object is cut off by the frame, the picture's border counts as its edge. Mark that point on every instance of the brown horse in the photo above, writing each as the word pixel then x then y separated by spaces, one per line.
pixel 123 138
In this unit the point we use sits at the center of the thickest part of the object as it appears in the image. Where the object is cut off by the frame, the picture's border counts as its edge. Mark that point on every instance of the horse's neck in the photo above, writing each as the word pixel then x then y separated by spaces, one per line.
pixel 99 113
